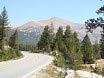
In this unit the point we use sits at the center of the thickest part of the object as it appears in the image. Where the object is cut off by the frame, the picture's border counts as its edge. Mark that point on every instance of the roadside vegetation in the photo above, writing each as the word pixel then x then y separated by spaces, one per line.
pixel 67 49
pixel 9 48
pixel 49 72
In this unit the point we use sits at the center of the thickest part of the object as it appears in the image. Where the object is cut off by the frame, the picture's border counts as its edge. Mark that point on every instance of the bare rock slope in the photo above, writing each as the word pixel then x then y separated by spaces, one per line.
pixel 32 30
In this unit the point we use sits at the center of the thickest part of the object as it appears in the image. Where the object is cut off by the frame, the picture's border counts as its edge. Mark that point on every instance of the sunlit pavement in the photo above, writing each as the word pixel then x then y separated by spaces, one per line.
pixel 23 67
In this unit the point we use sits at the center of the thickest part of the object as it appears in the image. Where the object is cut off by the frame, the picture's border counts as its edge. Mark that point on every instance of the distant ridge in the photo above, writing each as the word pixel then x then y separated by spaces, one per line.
pixel 32 30
pixel 56 22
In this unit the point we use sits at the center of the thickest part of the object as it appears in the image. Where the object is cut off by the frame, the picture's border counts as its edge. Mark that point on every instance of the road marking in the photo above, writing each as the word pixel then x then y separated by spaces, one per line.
pixel 19 63
pixel 37 69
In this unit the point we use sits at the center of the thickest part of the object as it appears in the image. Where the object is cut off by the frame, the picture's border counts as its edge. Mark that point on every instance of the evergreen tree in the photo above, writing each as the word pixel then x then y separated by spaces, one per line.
pixel 92 24
pixel 45 40
pixel 68 42
pixel 77 47
pixel 59 60
pixel 52 36
pixel 87 49
pixel 78 54
pixel 13 41
pixel 96 49
pixel 67 37
pixel 7 52
pixel 59 38
pixel 102 43
pixel 3 24
pixel 1 32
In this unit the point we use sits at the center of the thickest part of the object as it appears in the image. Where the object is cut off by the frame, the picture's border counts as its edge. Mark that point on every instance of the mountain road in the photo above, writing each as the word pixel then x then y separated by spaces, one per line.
pixel 22 68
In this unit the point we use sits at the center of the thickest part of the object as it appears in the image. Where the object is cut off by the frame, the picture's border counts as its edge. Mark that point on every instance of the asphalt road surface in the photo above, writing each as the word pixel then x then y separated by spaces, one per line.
pixel 24 67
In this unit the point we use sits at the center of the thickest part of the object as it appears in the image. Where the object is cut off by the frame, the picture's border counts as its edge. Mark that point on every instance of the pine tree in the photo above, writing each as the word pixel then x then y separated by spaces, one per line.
pixel 45 40
pixel 67 40
pixel 52 36
pixel 96 49
pixel 92 24
pixel 78 54
pixel 67 37
pixel 59 38
pixel 13 41
pixel 1 32
pixel 14 44
pixel 59 60
pixel 68 48
pixel 7 52
pixel 3 24
pixel 87 49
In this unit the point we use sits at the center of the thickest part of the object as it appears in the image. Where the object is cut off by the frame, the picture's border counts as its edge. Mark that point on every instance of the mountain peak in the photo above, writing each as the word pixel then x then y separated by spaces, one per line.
pixel 54 18
pixel 57 19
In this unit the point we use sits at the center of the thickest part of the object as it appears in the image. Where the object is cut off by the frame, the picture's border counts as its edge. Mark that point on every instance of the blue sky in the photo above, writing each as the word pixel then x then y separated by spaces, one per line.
pixel 22 11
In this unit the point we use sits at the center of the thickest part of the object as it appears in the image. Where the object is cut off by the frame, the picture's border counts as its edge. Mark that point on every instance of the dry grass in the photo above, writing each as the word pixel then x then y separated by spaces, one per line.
pixel 100 62
pixel 51 70
pixel 48 72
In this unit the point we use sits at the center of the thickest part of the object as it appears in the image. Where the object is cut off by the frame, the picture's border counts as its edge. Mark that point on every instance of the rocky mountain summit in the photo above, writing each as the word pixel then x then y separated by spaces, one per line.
pixel 29 33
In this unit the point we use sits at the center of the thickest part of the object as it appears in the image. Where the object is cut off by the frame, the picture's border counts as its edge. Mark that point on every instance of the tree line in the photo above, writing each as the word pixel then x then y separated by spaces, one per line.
pixel 67 48
pixel 9 48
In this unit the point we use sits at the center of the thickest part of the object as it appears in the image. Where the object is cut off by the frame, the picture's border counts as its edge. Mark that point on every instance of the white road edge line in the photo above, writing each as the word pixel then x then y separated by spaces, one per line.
pixel 39 68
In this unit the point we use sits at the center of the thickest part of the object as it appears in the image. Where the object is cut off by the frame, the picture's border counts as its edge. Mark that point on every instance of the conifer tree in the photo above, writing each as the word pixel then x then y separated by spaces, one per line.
pixel 67 36
pixel 3 24
pixel 52 36
pixel 13 41
pixel 72 55
pixel 45 40
pixel 92 24
pixel 0 33
pixel 7 52
pixel 77 54
pixel 67 40
pixel 96 49
pixel 87 49
pixel 14 44
pixel 59 38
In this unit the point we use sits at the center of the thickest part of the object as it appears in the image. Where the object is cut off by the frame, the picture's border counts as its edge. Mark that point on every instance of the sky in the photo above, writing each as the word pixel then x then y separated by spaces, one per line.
pixel 22 11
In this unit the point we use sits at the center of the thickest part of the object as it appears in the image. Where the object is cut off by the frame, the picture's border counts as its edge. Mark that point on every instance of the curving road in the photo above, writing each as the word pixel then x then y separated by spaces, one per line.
pixel 24 67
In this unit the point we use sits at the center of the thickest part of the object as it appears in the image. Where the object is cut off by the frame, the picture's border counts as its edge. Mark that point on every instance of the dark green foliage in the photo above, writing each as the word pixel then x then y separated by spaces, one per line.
pixel 25 47
pixel 92 24
pixel 77 54
pixel 1 32
pixel 59 39
pixel 96 49
pixel 102 44
pixel 13 41
pixel 68 48
pixel 46 39
pixel 68 37
pixel 59 60
pixel 68 40
pixel 52 36
pixel 7 52
pixel 87 49
pixel 3 24
pixel 72 50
